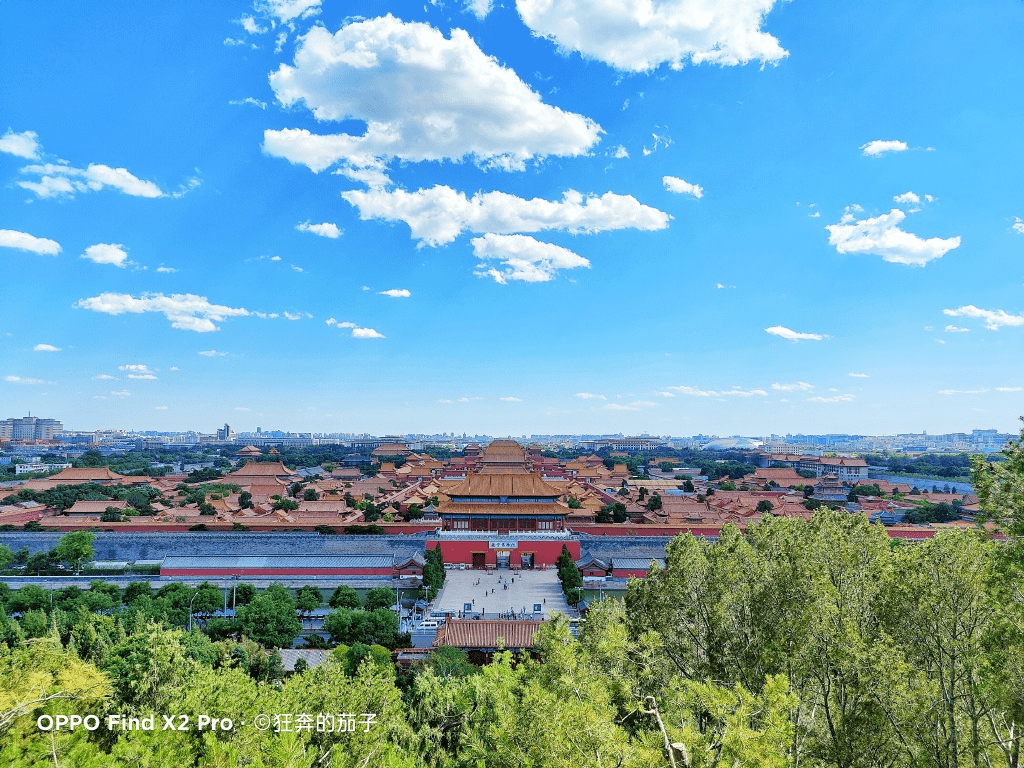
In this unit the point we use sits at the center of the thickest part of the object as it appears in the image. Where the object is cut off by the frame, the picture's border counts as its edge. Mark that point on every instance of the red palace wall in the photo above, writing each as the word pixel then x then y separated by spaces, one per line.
pixel 544 552
pixel 198 572
pixel 625 573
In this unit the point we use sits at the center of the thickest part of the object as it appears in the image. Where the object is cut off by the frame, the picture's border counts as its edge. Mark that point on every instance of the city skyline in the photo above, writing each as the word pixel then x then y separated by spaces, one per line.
pixel 784 219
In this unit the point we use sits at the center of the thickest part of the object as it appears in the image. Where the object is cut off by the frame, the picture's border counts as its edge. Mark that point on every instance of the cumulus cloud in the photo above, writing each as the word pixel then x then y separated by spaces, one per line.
pixel 137 371
pixel 994 318
pixel 882 236
pixel 621 152
pixel 637 35
pixel 397 293
pixel 859 375
pixel 105 377
pixel 357 332
pixel 796 386
pixel 186 311
pixel 45 348
pixel 288 11
pixel 440 214
pixel 296 315
pixel 26 381
pixel 422 97
pixel 511 399
pixel 680 187
pixel 907 197
pixel 834 399
pixel 107 253
pixel 618 407
pixel 327 229
pixel 56 179
pixel 122 393
pixel 20 144
pixel 790 335
pixel 956 329
pixel 212 353
pixel 589 396
pixel 1009 389
pixel 523 258
pixel 879 147
pixel 1018 225
pixel 734 392
pixel 11 238
pixel 479 8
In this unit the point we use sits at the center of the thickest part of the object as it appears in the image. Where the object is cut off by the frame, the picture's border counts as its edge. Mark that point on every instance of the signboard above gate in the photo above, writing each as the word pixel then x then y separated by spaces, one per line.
pixel 502 544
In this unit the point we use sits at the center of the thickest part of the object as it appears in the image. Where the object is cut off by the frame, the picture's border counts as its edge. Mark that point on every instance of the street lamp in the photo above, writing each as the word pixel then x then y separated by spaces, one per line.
pixel 190 609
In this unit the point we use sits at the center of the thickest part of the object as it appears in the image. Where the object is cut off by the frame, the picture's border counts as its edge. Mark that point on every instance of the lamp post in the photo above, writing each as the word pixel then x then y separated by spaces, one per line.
pixel 190 609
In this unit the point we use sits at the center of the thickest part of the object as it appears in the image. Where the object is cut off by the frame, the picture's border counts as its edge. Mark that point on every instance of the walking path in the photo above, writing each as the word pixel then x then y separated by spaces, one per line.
pixel 487 595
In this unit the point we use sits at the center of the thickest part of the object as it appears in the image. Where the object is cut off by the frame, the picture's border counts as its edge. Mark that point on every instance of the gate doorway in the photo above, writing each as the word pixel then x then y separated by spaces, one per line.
pixel 504 556
pixel 479 560
pixel 527 559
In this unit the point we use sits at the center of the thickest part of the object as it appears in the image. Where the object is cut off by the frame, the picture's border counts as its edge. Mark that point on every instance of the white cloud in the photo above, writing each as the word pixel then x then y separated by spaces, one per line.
pixel 45 348
pixel 357 332
pixel 440 214
pixel 249 100
pixel 250 25
pixel 589 396
pixel 666 394
pixel 638 35
pixel 962 391
pixel 1009 389
pixel 523 258
pixel 722 286
pixel 994 318
pixel 879 147
pixel 956 329
pixel 233 41
pixel 677 185
pixel 20 144
pixel 122 393
pixel 212 353
pixel 859 375
pixel 107 253
pixel 397 293
pixel 617 407
pixel 790 335
pixel 186 311
pixel 366 333
pixel 297 269
pixel 138 371
pixel 286 11
pixel 1018 225
pixel 734 392
pixel 511 399
pixel 166 270
pixel 160 408
pixel 422 96
pixel 835 399
pixel 327 229
pixel 621 152
pixel 907 197
pixel 479 8
pixel 815 215
pixel 296 315
pixel 27 381
pixel 62 179
pixel 105 377
pixel 801 386
pixel 10 238
pixel 882 236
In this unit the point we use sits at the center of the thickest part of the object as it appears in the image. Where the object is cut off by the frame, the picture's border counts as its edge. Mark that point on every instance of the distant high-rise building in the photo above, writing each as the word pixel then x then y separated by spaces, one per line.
pixel 226 434
pixel 30 428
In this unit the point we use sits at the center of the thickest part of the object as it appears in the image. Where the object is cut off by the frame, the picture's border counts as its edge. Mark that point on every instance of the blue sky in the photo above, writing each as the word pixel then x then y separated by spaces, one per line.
pixel 740 217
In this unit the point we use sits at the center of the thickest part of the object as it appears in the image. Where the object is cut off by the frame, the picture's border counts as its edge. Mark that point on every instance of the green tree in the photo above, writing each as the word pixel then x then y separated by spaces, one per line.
pixel 764 506
pixel 75 549
pixel 345 597
pixel 308 599
pixel 270 618
pixel 380 597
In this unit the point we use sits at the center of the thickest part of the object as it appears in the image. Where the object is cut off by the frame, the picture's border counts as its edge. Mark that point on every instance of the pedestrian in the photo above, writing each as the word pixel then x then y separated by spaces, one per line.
pixel 545 601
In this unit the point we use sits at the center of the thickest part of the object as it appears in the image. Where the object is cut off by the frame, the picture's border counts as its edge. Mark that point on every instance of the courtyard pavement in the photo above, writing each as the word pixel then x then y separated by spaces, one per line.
pixel 490 598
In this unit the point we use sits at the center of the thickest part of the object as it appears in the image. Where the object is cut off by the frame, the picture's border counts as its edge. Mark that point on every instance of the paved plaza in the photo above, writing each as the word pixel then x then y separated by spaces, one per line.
pixel 486 593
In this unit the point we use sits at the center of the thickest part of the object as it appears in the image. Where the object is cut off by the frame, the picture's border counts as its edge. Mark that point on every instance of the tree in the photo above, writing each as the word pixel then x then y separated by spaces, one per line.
pixel 245 500
pixel 345 597
pixel 380 597
pixel 1000 487
pixel 75 549
pixel 270 618
pixel 309 495
pixel 308 599
pixel 764 506
pixel 654 503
